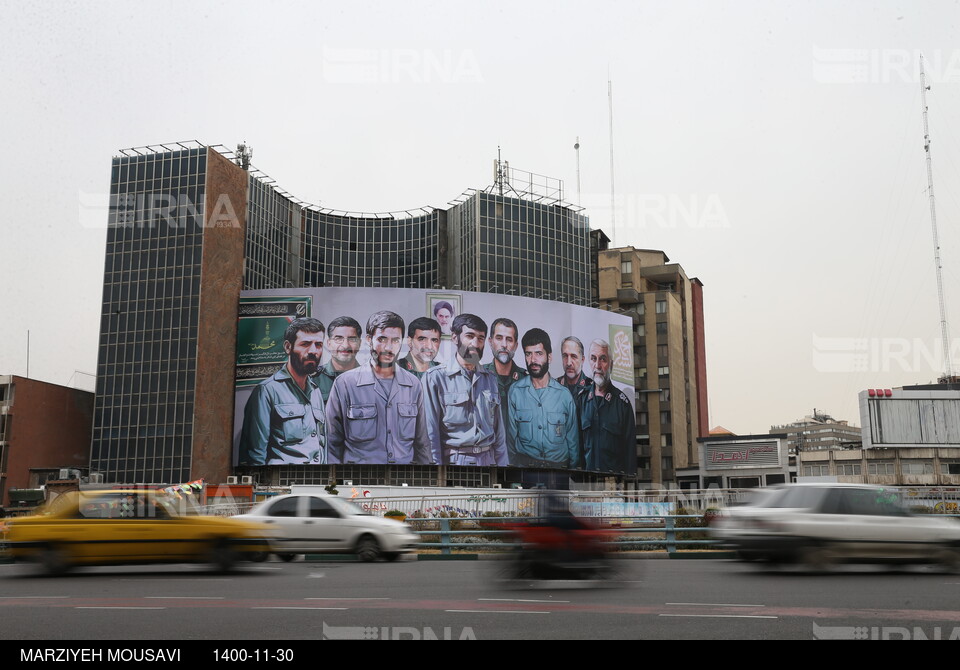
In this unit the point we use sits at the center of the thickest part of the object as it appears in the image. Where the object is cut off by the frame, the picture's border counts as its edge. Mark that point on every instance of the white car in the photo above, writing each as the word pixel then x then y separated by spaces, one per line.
pixel 325 524
pixel 822 524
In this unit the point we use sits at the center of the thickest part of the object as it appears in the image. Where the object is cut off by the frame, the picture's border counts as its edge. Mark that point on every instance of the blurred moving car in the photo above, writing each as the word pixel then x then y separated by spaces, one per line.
pixel 822 524
pixel 122 527
pixel 326 524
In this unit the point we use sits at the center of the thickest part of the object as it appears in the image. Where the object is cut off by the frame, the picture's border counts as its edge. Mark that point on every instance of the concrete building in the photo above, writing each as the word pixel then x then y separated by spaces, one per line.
pixel 745 461
pixel 192 225
pixel 817 432
pixel 44 429
pixel 669 356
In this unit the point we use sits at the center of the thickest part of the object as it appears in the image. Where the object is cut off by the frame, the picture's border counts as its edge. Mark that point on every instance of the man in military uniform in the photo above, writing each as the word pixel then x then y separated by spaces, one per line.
pixel 423 342
pixel 283 420
pixel 543 416
pixel 607 422
pixel 375 412
pixel 462 403
pixel 571 353
pixel 504 340
pixel 343 343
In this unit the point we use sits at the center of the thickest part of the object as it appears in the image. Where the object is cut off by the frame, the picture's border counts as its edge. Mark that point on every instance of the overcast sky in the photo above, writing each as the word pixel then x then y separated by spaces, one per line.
pixel 773 149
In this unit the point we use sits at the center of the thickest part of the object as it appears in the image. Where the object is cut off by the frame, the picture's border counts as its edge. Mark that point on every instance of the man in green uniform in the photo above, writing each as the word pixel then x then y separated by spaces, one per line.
pixel 423 342
pixel 571 353
pixel 607 422
pixel 543 417
pixel 504 339
pixel 283 420
pixel 343 343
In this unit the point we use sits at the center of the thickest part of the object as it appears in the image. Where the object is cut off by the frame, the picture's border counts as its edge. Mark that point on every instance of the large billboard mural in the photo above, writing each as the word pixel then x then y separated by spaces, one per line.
pixel 401 376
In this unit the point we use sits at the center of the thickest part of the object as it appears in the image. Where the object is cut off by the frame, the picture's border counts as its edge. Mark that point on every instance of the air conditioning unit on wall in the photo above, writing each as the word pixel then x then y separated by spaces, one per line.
pixel 246 479
pixel 231 479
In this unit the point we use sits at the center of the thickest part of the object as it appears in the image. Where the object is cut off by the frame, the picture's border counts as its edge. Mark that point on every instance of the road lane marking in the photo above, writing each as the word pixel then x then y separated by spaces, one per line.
pixel 298 608
pixel 346 598
pixel 518 600
pixel 723 616
pixel 28 597
pixel 185 597
pixel 496 612
pixel 114 607
pixel 713 605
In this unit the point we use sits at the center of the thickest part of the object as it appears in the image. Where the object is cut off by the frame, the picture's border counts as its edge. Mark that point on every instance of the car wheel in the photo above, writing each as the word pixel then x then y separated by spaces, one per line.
pixel 950 560
pixel 368 549
pixel 391 556
pixel 819 559
pixel 53 560
pixel 258 556
pixel 286 558
pixel 222 557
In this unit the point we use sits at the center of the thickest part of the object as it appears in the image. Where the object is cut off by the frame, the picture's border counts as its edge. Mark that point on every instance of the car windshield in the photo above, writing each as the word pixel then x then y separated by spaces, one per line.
pixel 798 497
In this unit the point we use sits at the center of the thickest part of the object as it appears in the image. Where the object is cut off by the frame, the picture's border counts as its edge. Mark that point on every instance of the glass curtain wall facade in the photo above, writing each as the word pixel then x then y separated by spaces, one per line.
pixel 146 369
pixel 522 247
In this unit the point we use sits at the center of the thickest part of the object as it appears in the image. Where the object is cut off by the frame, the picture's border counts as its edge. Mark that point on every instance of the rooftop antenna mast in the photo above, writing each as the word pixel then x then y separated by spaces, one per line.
pixel 944 329
pixel 613 211
pixel 576 147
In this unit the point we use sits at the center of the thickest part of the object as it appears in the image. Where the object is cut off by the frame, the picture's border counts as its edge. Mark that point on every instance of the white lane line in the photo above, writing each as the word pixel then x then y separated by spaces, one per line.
pixel 185 597
pixel 722 616
pixel 496 612
pixel 714 605
pixel 518 600
pixel 346 598
pixel 298 608
pixel 29 597
pixel 105 607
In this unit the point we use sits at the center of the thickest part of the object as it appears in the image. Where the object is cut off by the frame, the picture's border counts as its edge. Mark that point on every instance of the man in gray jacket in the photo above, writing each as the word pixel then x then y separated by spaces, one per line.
pixel 375 412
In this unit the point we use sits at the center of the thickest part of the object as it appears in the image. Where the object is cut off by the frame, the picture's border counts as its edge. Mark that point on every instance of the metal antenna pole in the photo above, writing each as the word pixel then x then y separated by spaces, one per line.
pixel 613 211
pixel 577 149
pixel 944 330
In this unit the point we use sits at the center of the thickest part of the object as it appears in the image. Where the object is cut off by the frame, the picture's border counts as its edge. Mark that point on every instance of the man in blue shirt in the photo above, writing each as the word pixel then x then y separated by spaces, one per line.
pixel 543 416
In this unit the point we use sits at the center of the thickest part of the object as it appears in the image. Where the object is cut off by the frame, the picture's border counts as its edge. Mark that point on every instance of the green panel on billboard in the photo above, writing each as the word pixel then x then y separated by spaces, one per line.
pixel 260 328
pixel 621 353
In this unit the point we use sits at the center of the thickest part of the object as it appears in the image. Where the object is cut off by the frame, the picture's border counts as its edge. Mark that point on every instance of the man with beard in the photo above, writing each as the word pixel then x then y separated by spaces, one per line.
pixel 462 403
pixel 571 354
pixel 607 422
pixel 343 343
pixel 504 339
pixel 283 420
pixel 423 341
pixel 543 416
pixel 375 412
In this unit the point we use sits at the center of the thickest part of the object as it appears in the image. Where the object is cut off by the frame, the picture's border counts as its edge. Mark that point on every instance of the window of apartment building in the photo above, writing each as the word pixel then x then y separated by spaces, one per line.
pixel 642 418
pixel 666 440
pixel 641 373
pixel 881 468
pixel 916 467
pixel 640 308
pixel 666 463
pixel 662 351
pixel 949 467
pixel 848 469
pixel 661 306
pixel 641 331
pixel 664 395
pixel 661 328
pixel 664 417
pixel 816 469
pixel 626 267
pixel 664 371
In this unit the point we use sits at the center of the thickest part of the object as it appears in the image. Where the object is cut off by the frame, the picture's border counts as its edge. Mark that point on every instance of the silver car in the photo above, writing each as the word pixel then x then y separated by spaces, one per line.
pixel 325 524
pixel 822 524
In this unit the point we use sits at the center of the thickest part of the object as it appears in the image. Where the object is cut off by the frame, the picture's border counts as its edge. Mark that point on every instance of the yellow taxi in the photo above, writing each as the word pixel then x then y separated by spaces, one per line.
pixel 129 526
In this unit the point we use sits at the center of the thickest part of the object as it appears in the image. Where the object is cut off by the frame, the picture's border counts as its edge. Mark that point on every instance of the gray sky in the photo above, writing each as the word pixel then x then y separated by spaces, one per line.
pixel 774 149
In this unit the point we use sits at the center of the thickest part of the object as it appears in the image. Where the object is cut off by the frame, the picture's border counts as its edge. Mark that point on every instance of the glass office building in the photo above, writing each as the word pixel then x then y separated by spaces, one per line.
pixel 189 228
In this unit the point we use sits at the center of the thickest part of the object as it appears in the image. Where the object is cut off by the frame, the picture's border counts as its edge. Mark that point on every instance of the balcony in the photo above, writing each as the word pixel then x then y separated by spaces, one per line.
pixel 628 296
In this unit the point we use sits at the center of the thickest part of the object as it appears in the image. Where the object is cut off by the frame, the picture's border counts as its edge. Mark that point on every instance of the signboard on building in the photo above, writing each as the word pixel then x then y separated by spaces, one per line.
pixel 910 418
pixel 742 454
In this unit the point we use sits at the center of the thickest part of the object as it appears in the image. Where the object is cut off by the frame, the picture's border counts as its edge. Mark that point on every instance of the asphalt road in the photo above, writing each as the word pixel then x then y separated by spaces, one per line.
pixel 652 599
